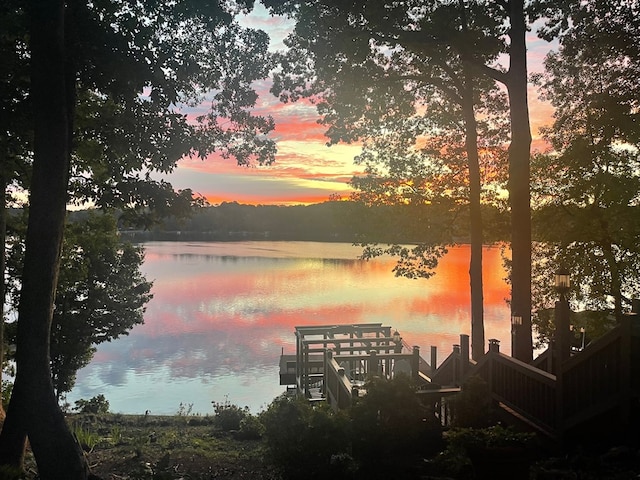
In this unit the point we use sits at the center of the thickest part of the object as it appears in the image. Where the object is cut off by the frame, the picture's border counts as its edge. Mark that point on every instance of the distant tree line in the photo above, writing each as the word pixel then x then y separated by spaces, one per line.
pixel 331 221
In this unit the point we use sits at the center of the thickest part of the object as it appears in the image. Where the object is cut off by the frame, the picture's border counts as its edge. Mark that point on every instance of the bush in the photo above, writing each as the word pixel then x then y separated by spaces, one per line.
pixel 228 416
pixel 472 406
pixel 466 439
pixel 390 422
pixel 251 428
pixel 306 441
pixel 97 405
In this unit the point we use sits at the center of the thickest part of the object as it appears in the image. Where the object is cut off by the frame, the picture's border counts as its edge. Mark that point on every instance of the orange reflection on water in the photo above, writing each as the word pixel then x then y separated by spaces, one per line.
pixel 222 314
pixel 263 294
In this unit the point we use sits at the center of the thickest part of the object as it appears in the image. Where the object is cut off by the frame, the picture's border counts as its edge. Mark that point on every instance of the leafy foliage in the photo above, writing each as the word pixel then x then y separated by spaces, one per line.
pixel 229 416
pixel 473 406
pixel 302 439
pixel 155 83
pixel 393 79
pixel 97 405
pixel 141 61
pixel 101 293
pixel 391 422
pixel 588 185
pixel 369 440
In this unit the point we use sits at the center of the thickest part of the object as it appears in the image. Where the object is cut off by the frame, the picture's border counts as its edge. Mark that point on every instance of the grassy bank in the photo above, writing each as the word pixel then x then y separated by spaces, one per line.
pixel 292 440
pixel 136 447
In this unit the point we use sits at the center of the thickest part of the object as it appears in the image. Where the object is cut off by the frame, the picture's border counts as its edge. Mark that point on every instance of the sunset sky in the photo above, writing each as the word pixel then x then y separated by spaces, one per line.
pixel 305 170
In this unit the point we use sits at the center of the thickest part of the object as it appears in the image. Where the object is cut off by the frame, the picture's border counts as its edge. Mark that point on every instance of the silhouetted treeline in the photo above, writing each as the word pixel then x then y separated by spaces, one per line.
pixel 335 221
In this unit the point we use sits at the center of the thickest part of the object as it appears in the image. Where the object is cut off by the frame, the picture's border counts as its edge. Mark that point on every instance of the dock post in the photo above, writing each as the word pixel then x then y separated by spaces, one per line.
pixel 328 357
pixel 373 364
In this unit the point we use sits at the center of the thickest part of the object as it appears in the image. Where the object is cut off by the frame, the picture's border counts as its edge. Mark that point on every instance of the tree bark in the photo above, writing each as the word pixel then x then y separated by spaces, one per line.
pixel 33 410
pixel 519 186
pixel 475 211
pixel 3 239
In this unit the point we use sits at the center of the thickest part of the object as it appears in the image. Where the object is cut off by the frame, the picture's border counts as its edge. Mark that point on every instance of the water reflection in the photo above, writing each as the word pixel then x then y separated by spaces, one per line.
pixel 223 312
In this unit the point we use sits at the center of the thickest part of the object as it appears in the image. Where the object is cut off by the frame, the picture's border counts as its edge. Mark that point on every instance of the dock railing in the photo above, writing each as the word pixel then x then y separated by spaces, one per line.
pixel 597 384
pixel 337 388
pixel 346 374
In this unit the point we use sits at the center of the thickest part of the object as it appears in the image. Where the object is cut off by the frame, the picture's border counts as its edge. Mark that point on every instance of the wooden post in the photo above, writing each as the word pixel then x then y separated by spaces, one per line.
pixel 298 364
pixel 625 374
pixel 373 364
pixel 415 363
pixel 456 364
pixel 561 353
pixel 305 371
pixel 434 360
pixel 328 357
pixel 563 333
pixel 464 355
pixel 559 401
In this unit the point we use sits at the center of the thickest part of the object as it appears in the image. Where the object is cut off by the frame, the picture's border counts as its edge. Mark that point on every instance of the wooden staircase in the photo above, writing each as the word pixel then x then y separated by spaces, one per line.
pixel 595 390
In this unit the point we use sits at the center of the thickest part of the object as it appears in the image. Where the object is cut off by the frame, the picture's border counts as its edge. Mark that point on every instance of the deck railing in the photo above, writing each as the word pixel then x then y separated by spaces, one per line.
pixel 448 371
pixel 528 391
pixel 602 377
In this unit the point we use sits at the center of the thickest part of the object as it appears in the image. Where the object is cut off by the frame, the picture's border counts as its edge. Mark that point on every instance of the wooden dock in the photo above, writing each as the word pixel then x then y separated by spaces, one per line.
pixel 594 389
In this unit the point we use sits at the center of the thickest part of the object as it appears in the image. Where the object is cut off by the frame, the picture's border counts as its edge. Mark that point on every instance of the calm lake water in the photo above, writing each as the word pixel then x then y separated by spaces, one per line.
pixel 222 313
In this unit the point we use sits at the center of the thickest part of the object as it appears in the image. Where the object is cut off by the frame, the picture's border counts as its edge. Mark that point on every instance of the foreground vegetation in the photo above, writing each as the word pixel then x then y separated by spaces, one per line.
pixel 384 435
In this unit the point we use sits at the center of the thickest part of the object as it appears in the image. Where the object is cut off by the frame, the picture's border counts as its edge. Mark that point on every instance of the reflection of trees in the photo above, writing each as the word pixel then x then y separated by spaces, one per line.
pixel 214 317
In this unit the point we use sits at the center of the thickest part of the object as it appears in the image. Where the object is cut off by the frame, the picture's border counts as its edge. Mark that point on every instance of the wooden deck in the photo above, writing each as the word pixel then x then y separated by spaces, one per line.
pixel 596 387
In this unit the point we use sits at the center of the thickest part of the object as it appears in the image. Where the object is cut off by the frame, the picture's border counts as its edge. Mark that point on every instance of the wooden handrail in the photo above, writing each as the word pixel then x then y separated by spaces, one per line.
pixel 338 388
pixel 447 372
pixel 528 391
pixel 598 379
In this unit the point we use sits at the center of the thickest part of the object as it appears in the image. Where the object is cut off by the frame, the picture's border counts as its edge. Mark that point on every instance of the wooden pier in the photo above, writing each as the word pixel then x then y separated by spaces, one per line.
pixel 563 397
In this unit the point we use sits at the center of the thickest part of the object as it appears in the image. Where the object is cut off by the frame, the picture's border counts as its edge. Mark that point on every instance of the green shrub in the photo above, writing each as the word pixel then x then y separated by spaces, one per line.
pixel 97 405
pixel 390 421
pixel 302 440
pixel 251 428
pixel 472 406
pixel 493 452
pixel 228 416
pixel 495 436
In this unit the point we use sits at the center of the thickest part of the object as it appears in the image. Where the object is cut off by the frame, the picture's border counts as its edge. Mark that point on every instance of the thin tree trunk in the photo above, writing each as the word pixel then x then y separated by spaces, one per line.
pixel 519 186
pixel 3 239
pixel 33 408
pixel 475 211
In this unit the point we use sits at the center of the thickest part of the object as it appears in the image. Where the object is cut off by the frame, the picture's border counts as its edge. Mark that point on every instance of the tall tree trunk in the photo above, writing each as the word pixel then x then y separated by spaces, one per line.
pixel 519 186
pixel 3 239
pixel 475 211
pixel 33 408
